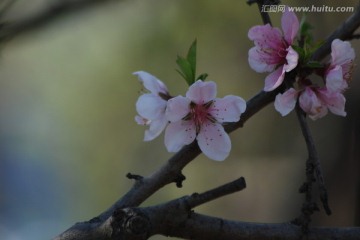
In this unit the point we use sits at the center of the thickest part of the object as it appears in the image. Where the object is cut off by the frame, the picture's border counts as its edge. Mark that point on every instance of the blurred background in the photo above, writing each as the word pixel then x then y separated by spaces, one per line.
pixel 67 106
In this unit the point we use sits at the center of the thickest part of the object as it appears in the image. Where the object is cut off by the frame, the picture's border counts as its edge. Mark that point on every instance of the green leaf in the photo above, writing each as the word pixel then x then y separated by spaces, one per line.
pixel 314 64
pixel 300 51
pixel 191 57
pixel 188 65
pixel 305 32
pixel 305 26
pixel 185 70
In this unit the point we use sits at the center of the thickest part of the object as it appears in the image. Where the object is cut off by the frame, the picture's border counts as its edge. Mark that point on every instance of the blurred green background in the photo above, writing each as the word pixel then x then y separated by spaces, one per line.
pixel 67 106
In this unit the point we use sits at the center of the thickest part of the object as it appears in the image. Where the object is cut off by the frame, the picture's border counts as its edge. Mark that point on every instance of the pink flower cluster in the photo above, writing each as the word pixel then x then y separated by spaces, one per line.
pixel 199 115
pixel 273 52
pixel 317 100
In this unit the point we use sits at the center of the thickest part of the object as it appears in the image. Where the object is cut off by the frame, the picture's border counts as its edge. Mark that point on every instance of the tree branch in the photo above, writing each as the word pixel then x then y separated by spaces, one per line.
pixel 54 11
pixel 198 226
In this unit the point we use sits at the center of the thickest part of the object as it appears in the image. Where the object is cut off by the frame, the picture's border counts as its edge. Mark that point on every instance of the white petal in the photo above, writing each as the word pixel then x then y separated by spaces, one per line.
pixel 151 83
pixel 285 103
pixel 341 52
pixel 228 109
pixel 155 129
pixel 150 106
pixel 202 92
pixel 177 108
pixel 292 58
pixel 334 79
pixel 179 134
pixel 213 141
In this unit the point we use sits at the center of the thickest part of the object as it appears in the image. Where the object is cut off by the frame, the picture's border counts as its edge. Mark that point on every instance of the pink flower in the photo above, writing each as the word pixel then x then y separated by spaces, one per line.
pixel 151 106
pixel 199 115
pixel 273 50
pixel 338 74
pixel 314 101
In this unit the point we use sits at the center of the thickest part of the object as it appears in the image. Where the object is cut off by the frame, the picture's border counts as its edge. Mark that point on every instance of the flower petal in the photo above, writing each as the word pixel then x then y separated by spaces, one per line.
pixel 213 141
pixel 265 36
pixel 311 104
pixel 228 109
pixel 150 106
pixel 151 83
pixel 334 79
pixel 202 92
pixel 155 129
pixel 179 134
pixel 285 103
pixel 341 52
pixel 290 25
pixel 257 61
pixel 274 79
pixel 335 101
pixel 177 108
pixel 292 58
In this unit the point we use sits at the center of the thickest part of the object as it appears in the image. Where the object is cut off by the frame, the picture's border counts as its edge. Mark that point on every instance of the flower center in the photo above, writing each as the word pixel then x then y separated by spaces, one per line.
pixel 199 114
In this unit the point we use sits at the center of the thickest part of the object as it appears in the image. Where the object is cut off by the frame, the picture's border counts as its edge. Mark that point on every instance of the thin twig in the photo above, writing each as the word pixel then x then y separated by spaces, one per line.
pixel 261 5
pixel 313 173
pixel 197 199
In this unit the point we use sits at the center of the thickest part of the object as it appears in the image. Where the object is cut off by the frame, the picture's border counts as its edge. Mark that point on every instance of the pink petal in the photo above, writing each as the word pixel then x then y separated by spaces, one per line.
pixel 151 83
pixel 285 103
pixel 201 92
pixel 311 104
pixel 335 101
pixel 155 129
pixel 341 52
pixel 150 106
pixel 292 58
pixel 179 134
pixel 274 79
pixel 308 99
pixel 177 108
pixel 258 63
pixel 290 25
pixel 213 141
pixel 334 80
pixel 265 36
pixel 228 109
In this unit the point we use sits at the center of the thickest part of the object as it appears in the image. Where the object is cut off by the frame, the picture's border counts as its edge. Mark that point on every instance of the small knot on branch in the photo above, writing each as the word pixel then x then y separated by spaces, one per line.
pixel 179 180
pixel 130 223
pixel 134 176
